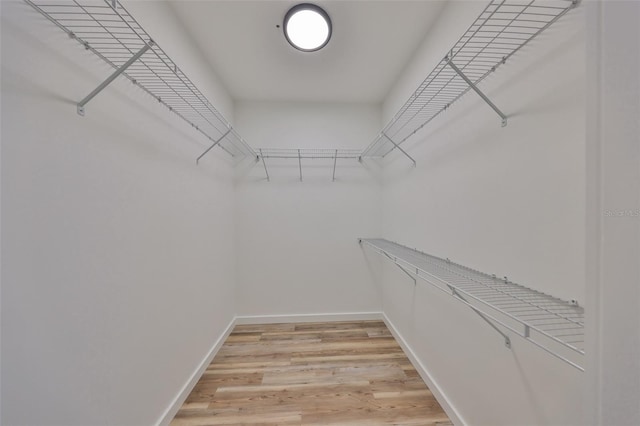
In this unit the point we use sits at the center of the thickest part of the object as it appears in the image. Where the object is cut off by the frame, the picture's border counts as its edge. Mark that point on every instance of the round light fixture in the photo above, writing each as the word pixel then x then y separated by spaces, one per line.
pixel 307 27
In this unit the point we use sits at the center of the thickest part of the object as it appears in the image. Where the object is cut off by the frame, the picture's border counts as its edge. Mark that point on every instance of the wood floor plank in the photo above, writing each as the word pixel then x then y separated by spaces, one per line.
pixel 337 373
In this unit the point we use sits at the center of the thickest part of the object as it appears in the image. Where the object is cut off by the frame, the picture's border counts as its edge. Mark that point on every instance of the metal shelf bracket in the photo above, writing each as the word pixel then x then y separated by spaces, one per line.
pixel 214 144
pixel 478 91
pixel 265 166
pixel 401 150
pixel 395 262
pixel 454 292
pixel 507 340
pixel 113 76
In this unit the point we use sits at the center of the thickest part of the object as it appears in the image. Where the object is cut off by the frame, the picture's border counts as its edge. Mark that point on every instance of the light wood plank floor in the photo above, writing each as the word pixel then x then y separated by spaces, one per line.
pixel 332 373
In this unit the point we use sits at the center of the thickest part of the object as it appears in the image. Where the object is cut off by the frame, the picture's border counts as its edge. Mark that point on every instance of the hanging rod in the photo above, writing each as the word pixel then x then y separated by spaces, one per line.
pixel 501 30
pixel 111 33
pixel 300 154
pixel 552 324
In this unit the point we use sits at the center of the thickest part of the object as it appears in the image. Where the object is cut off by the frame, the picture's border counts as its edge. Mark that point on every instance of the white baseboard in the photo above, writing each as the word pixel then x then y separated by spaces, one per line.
pixel 274 319
pixel 448 408
pixel 177 402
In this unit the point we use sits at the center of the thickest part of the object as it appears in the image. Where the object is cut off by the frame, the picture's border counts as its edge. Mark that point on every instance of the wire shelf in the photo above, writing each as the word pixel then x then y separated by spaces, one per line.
pixel 500 31
pixel 109 31
pixel 550 323
pixel 306 154
pixel 309 153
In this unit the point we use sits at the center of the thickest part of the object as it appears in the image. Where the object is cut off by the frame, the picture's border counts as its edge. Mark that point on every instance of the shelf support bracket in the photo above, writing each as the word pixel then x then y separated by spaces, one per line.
pixel 335 160
pixel 214 144
pixel 478 91
pixel 401 150
pixel 454 292
pixel 415 282
pixel 300 164
pixel 113 76
pixel 265 165
pixel 507 340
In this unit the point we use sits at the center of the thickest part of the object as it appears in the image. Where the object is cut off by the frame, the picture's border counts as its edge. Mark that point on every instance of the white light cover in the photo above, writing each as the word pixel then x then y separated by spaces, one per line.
pixel 307 29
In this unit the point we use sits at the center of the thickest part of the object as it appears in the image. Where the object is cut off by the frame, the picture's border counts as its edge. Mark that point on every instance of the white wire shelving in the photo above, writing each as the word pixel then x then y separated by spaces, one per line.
pixel 307 154
pixel 501 30
pixel 107 29
pixel 110 32
pixel 552 324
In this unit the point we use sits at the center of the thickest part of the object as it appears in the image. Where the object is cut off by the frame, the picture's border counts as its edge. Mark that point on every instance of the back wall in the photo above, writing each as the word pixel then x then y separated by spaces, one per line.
pixel 297 249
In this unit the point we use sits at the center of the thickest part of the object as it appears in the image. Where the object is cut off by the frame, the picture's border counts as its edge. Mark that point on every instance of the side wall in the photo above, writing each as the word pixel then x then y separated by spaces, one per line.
pixel 297 241
pixel 117 277
pixel 508 201
pixel 613 208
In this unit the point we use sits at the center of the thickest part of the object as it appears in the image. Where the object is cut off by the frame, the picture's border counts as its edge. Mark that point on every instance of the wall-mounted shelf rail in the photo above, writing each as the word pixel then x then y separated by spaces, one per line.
pixel 307 154
pixel 553 325
pixel 500 31
pixel 109 31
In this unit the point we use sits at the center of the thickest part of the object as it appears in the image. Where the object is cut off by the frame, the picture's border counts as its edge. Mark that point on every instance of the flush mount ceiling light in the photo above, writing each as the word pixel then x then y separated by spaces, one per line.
pixel 307 27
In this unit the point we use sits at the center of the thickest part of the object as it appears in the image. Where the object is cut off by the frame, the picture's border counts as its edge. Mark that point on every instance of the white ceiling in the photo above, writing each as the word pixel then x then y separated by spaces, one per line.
pixel 372 42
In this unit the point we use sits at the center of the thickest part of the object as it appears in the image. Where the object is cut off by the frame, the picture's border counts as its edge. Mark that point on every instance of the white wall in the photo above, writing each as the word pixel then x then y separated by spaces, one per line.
pixel 117 272
pixel 119 255
pixel 613 207
pixel 508 201
pixel 297 246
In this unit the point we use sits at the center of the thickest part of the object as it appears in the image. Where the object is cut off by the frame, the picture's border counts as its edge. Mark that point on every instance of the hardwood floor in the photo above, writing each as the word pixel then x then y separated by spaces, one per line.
pixel 332 373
